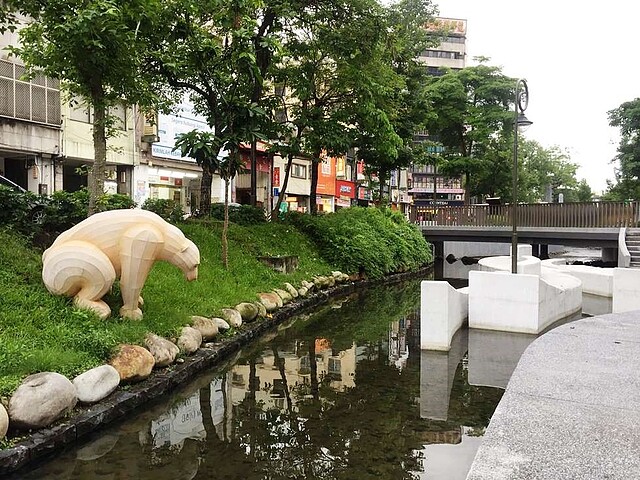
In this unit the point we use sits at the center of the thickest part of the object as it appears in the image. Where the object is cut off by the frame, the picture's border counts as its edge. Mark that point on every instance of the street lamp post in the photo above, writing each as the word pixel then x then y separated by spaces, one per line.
pixel 519 120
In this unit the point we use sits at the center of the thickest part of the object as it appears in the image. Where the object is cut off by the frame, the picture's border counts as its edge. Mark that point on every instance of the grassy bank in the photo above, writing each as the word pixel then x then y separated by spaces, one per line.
pixel 41 332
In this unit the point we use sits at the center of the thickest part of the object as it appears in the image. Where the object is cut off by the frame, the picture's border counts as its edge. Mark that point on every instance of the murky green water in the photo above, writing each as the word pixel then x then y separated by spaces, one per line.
pixel 343 393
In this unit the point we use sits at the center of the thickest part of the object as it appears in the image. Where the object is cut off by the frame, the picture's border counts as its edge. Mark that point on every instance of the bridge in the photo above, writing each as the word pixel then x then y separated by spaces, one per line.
pixel 584 224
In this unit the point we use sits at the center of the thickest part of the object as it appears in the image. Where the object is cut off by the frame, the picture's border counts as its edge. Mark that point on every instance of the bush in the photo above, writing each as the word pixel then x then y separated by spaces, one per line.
pixel 66 209
pixel 17 210
pixel 170 210
pixel 370 241
pixel 240 214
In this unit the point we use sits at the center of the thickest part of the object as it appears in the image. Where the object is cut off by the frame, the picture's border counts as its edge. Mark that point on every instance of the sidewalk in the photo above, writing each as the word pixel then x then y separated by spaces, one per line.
pixel 572 407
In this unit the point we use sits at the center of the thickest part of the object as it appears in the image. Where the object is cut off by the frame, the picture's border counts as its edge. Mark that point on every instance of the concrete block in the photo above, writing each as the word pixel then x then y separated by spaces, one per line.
pixel 626 289
pixel 595 280
pixel 521 303
pixel 528 265
pixel 443 310
pixel 503 301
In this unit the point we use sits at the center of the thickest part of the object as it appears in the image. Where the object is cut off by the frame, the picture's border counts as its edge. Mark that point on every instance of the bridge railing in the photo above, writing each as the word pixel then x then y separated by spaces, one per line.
pixel 558 215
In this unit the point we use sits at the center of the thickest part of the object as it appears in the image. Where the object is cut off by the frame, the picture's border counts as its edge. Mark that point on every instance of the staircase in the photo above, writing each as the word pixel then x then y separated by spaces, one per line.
pixel 632 240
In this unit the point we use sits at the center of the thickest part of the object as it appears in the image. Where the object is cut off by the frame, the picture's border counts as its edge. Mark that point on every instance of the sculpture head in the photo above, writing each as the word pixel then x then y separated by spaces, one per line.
pixel 188 260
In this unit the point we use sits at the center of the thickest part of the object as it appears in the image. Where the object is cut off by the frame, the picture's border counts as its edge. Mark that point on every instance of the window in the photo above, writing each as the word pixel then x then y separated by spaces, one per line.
pixel 81 112
pixel 298 171
pixel 36 100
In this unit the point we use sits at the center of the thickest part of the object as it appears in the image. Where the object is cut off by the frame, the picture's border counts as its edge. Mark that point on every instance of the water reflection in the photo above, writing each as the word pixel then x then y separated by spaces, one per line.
pixel 343 393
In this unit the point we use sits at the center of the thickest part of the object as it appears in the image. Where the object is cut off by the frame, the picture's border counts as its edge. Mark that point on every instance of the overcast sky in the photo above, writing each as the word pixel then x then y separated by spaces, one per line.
pixel 580 60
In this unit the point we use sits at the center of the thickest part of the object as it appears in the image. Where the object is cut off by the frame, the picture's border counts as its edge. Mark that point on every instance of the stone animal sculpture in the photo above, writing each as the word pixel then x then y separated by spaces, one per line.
pixel 84 261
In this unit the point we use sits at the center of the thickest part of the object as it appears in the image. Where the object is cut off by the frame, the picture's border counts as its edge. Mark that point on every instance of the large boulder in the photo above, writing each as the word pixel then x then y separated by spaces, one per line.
pixel 303 291
pixel 284 295
pixel 232 316
pixel 4 421
pixel 95 384
pixel 40 400
pixel 190 340
pixel 248 311
pixel 207 327
pixel 221 323
pixel 293 291
pixel 164 351
pixel 310 286
pixel 270 301
pixel 262 311
pixel 133 363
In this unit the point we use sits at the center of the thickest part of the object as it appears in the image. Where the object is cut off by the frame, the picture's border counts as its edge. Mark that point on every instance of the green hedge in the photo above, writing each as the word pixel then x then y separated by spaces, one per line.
pixel 369 241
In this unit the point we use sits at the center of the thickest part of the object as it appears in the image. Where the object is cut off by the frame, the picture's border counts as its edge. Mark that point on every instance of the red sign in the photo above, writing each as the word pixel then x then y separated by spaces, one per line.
pixel 345 189
pixel 276 177
pixel 263 164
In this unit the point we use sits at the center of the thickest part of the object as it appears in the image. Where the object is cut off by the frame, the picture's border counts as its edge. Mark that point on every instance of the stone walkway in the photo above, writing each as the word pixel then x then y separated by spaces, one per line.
pixel 572 407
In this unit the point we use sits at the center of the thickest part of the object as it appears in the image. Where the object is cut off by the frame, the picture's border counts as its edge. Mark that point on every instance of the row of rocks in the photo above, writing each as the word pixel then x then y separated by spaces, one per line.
pixel 45 397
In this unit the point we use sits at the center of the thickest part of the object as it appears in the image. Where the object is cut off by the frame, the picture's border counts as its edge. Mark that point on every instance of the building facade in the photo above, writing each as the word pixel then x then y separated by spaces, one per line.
pixel 429 189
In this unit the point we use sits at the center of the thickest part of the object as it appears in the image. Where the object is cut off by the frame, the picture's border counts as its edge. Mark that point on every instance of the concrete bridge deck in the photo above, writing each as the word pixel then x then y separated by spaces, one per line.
pixel 577 237
pixel 571 409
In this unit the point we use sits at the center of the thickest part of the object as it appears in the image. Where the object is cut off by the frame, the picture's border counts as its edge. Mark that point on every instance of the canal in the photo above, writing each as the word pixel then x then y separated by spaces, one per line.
pixel 341 393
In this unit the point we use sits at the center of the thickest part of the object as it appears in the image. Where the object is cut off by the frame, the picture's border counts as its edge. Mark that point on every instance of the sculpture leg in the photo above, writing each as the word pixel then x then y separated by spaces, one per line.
pixel 81 270
pixel 139 248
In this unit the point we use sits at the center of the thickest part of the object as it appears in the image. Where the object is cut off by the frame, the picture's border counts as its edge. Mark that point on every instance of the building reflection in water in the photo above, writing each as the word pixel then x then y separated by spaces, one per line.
pixel 308 402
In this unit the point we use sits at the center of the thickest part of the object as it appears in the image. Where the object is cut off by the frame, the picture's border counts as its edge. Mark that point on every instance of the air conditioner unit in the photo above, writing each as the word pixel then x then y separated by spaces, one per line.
pixel 458 197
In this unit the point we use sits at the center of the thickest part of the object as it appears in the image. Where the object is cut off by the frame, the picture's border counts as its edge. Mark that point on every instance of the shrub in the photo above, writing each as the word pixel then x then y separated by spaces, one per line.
pixel 170 210
pixel 21 210
pixel 371 241
pixel 240 214
pixel 65 209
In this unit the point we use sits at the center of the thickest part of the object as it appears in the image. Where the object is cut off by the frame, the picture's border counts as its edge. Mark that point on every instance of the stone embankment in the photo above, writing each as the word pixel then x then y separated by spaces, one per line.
pixel 54 411
pixel 571 408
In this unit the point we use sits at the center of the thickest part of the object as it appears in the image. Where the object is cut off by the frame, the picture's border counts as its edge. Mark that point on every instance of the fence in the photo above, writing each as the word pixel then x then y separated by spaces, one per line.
pixel 551 215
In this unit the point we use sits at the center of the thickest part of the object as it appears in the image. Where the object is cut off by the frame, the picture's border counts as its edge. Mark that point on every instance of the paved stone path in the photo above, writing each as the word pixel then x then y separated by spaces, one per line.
pixel 572 407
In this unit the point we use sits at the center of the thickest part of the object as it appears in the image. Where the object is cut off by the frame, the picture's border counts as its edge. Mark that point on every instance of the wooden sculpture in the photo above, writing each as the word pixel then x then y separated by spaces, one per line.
pixel 85 260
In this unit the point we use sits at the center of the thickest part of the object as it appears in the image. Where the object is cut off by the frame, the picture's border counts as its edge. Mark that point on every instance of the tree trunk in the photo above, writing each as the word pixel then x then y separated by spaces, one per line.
pixel 467 199
pixel 225 226
pixel 283 190
pixel 205 190
pixel 254 173
pixel 315 161
pixel 96 186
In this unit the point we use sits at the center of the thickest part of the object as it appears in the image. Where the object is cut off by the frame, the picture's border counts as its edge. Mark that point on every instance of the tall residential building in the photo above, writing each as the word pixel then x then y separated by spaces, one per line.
pixel 427 188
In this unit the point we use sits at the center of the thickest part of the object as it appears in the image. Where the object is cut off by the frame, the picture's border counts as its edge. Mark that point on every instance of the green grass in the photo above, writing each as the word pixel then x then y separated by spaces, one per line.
pixel 42 332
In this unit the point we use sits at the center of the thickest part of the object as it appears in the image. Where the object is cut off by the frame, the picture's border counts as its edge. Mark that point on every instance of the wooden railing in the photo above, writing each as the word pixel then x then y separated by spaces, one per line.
pixel 558 215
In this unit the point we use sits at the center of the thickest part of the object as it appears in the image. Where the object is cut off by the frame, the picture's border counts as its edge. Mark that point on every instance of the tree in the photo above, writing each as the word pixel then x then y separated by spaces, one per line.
pixel 215 53
pixel 546 170
pixel 331 66
pixel 94 48
pixel 204 148
pixel 627 118
pixel 399 109
pixel 472 110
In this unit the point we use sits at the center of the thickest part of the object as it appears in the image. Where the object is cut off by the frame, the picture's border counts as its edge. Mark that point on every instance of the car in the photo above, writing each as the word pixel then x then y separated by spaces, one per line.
pixel 36 203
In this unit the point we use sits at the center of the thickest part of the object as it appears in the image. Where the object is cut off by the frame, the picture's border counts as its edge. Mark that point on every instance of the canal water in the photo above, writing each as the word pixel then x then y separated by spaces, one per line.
pixel 341 393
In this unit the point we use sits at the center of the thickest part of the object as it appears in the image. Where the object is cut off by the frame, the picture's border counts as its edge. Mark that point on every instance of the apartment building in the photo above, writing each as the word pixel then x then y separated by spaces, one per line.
pixel 427 188
pixel 30 125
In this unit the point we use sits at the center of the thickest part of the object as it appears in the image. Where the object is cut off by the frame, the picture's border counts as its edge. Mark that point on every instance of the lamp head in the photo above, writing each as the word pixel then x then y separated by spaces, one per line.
pixel 523 121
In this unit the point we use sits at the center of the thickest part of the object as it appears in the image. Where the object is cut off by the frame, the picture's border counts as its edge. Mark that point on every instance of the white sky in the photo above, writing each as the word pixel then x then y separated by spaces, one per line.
pixel 580 60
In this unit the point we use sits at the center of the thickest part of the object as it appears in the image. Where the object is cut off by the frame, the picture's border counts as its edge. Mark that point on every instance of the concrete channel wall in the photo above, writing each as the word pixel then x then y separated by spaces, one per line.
pixel 571 409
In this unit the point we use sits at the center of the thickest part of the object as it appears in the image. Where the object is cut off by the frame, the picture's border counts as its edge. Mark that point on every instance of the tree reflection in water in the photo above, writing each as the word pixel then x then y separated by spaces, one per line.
pixel 335 395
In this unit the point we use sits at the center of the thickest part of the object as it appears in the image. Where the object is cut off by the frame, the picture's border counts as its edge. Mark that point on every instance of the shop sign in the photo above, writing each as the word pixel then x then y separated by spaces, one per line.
pixel 345 189
pixel 276 177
